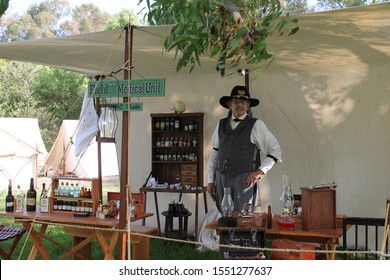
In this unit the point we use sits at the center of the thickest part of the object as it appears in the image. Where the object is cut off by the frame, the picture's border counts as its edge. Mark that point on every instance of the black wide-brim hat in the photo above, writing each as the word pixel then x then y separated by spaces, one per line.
pixel 240 92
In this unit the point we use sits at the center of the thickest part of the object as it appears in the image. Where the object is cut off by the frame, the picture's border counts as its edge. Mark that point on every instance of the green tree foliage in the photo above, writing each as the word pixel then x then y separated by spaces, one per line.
pixel 295 7
pixel 123 19
pixel 51 95
pixel 40 21
pixel 15 92
pixel 59 93
pixel 235 32
pixel 86 18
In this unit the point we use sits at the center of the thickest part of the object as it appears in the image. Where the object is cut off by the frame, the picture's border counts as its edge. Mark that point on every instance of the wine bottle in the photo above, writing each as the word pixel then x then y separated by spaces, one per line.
pixel 19 200
pixel 44 199
pixel 31 197
pixel 9 200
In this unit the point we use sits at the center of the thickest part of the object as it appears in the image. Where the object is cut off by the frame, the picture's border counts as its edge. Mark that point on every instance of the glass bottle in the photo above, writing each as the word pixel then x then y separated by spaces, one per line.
pixel 82 192
pixel 66 189
pixel 177 124
pixel 157 125
pixel 31 197
pixel 9 200
pixel 61 189
pixel 19 200
pixel 77 190
pixel 269 217
pixel 56 190
pixel 286 197
pixel 71 190
pixel 227 205
pixel 44 199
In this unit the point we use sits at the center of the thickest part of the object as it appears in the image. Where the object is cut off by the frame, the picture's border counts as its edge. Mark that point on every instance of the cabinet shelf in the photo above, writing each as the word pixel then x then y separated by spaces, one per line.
pixel 89 183
pixel 86 199
pixel 179 142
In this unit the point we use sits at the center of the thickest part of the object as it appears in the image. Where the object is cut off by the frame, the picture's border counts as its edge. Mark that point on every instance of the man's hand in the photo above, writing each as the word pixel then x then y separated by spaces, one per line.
pixel 211 190
pixel 253 177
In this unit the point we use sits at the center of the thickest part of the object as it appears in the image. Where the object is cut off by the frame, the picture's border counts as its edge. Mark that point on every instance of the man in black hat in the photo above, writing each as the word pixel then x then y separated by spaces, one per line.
pixel 236 142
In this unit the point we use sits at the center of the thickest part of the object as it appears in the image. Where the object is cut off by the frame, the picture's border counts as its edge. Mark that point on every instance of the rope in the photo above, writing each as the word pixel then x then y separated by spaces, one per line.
pixel 216 245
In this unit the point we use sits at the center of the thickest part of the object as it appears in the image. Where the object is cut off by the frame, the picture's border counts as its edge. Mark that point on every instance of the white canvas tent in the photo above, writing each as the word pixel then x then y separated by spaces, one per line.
pixel 62 160
pixel 325 97
pixel 22 151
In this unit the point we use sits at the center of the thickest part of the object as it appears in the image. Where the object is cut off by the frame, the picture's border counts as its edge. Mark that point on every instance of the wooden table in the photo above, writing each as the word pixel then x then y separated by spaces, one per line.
pixel 328 238
pixel 89 228
pixel 182 191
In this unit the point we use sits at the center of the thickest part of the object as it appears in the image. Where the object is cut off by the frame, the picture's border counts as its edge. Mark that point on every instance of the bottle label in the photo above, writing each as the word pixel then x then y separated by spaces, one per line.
pixel 9 204
pixel 31 201
pixel 19 204
pixel 44 205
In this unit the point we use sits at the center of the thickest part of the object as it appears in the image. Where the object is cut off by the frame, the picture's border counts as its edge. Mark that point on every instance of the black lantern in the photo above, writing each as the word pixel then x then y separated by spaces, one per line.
pixel 108 122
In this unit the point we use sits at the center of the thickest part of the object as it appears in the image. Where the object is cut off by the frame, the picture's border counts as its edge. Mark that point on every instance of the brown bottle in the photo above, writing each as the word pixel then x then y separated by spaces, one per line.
pixel 269 217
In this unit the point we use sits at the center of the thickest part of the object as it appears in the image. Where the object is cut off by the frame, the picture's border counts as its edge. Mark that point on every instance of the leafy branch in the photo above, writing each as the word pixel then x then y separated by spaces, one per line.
pixel 232 32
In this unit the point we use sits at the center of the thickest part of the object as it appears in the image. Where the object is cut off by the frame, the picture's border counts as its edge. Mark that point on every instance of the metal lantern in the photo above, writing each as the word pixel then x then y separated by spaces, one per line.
pixel 108 122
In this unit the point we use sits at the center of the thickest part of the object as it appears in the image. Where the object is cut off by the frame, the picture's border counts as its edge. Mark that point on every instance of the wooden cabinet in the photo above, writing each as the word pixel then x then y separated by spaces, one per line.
pixel 177 148
pixel 319 207
pixel 74 204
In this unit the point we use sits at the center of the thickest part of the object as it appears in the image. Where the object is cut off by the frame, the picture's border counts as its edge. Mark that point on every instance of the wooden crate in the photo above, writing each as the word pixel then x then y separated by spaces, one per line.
pixel 319 207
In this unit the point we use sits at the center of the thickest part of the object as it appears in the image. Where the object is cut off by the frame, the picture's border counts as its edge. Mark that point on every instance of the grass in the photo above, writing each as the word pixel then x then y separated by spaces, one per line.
pixel 159 249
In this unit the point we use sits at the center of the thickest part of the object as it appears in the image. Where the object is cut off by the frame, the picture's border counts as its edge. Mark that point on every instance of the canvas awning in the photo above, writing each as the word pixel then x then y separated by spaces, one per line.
pixel 322 35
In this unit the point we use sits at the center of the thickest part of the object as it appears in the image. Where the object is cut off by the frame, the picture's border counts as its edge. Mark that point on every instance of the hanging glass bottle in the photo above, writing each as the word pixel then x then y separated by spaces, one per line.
pixel 108 122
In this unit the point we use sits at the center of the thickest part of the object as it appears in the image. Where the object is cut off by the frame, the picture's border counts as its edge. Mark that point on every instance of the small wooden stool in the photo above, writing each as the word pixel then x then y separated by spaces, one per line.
pixel 9 233
pixel 181 232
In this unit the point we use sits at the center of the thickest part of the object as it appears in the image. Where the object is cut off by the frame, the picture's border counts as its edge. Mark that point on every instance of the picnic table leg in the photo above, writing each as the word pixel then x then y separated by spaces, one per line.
pixel 36 238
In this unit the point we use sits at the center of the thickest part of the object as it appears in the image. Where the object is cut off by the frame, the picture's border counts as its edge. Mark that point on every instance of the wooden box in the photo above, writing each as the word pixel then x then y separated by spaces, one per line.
pixel 319 207
pixel 286 244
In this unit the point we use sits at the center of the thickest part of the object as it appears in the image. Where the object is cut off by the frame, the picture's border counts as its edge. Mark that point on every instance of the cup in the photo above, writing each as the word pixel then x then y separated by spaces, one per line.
pixel 171 208
pixel 180 207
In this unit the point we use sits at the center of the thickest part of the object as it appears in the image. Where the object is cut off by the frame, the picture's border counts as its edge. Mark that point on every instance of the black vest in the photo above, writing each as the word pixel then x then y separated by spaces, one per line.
pixel 236 153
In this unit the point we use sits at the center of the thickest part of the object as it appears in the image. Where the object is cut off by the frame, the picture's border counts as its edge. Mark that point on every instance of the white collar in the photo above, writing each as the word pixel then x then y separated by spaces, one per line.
pixel 241 118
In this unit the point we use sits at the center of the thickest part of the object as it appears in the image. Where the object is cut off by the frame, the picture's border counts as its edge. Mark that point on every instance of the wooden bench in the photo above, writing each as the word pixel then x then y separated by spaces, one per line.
pixel 9 233
pixel 140 244
pixel 141 247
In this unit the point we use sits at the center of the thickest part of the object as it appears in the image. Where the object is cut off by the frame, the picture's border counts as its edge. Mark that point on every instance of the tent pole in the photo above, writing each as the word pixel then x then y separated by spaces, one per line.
pixel 99 152
pixel 125 149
